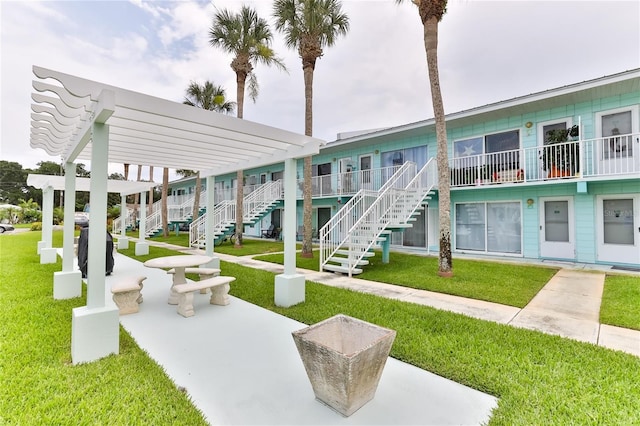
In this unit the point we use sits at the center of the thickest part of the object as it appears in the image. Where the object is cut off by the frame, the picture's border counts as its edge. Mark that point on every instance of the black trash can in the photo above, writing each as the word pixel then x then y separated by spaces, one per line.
pixel 83 252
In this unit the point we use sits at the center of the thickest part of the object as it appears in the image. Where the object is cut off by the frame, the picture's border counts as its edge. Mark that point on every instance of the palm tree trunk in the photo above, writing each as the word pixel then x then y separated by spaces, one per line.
pixel 239 208
pixel 240 82
pixel 164 212
pixel 445 266
pixel 307 248
pixel 126 177
pixel 150 190
pixel 196 201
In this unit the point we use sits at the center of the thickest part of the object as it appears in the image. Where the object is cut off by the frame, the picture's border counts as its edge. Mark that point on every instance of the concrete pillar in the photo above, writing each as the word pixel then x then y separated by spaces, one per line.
pixel 123 241
pixel 68 282
pixel 289 286
pixel 95 328
pixel 211 205
pixel 48 254
pixel 142 247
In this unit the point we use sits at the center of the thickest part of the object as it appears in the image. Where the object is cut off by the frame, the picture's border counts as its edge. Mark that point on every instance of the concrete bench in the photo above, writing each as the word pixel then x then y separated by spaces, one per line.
pixel 127 294
pixel 219 293
pixel 205 273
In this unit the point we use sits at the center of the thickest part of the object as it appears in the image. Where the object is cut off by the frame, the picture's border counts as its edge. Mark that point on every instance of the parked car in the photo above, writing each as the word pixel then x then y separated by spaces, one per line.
pixel 6 227
pixel 81 219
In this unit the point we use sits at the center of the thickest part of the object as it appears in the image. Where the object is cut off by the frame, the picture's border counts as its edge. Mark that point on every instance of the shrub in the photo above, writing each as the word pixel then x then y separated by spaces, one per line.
pixel 36 226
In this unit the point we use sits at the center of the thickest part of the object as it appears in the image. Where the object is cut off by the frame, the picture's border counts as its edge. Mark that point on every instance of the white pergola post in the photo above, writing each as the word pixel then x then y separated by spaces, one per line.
pixel 289 286
pixel 95 328
pixel 208 223
pixel 48 254
pixel 123 241
pixel 142 247
pixel 68 282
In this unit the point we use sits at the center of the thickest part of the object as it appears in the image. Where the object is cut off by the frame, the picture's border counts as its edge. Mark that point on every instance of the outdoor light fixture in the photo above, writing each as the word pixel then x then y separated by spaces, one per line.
pixel 530 202
pixel 528 124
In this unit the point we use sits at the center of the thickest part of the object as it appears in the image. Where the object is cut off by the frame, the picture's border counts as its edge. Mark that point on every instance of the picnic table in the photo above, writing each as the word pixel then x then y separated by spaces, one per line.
pixel 179 263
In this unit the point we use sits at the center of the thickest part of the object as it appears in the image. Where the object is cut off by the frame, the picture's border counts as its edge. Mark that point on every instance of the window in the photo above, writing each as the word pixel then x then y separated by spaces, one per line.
pixel 489 227
pixel 615 128
pixel 501 151
pixel 550 127
pixel 417 155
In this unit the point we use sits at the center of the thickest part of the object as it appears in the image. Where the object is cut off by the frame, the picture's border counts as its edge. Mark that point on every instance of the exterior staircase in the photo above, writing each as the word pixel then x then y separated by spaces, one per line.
pixel 256 205
pixel 347 240
pixel 176 214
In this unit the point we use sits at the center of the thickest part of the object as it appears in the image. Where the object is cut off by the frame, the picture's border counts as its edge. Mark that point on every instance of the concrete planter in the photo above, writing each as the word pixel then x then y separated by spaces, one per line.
pixel 344 358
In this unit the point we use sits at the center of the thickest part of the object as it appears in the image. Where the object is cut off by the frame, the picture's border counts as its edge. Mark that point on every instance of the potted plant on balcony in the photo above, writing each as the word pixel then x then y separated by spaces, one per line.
pixel 559 157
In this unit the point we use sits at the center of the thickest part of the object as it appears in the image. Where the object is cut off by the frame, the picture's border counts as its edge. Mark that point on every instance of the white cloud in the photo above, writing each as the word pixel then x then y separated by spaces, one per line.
pixel 374 77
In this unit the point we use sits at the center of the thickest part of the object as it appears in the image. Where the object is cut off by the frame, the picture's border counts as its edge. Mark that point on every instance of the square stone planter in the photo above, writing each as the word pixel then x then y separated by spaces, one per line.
pixel 344 358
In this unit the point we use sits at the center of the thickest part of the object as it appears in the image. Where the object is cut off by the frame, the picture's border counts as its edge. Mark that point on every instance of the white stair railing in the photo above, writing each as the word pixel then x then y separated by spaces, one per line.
pixel 261 199
pixel 336 232
pixel 224 215
pixel 394 204
pixel 255 204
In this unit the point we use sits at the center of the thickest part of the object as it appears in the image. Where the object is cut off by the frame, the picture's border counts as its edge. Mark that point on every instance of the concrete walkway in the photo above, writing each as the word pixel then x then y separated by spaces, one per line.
pixel 239 365
pixel 568 305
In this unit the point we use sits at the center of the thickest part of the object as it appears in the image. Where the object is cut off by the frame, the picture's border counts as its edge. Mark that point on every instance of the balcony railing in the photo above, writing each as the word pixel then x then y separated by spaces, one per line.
pixel 348 183
pixel 600 157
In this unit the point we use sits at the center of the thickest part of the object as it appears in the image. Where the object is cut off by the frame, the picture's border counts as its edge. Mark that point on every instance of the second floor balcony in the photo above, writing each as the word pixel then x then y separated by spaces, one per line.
pixel 616 157
pixel 600 158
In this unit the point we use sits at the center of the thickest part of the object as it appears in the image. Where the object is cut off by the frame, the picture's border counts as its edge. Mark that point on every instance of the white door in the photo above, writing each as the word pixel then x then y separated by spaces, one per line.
pixel 345 173
pixel 366 180
pixel 557 231
pixel 619 144
pixel 618 228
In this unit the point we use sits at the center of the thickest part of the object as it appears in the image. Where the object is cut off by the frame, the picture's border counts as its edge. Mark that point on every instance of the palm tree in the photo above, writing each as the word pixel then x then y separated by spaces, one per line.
pixel 431 13
pixel 248 38
pixel 309 26
pixel 212 98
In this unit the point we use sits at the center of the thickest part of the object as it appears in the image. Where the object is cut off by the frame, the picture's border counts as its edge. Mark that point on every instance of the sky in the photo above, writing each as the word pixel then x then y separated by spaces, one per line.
pixel 374 77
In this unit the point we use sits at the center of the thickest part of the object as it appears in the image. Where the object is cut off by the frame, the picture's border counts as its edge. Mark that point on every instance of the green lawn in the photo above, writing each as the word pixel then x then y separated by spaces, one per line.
pixel 621 301
pixel 39 384
pixel 504 283
pixel 540 379
pixel 250 246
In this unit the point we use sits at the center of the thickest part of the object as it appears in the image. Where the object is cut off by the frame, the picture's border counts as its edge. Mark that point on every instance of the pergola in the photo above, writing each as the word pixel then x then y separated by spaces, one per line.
pixel 74 118
pixel 67 283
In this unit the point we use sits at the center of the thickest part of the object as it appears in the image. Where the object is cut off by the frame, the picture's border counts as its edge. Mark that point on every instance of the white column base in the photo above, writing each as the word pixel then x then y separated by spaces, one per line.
pixel 41 245
pixel 48 255
pixel 214 263
pixel 123 243
pixel 142 249
pixel 289 290
pixel 95 333
pixel 67 285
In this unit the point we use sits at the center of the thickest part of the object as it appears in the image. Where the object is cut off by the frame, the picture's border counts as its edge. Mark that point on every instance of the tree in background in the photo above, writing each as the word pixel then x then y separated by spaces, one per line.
pixel 309 26
pixel 431 13
pixel 211 97
pixel 248 38
pixel 13 182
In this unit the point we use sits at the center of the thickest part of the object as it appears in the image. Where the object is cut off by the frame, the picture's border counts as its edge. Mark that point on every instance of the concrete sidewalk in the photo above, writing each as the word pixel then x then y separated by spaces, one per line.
pixel 239 365
pixel 568 305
